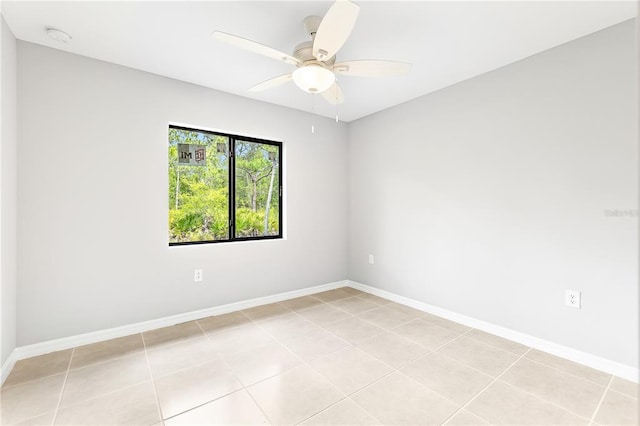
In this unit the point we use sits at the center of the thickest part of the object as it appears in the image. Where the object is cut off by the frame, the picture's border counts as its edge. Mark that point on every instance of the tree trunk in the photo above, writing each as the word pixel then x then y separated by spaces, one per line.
pixel 254 195
pixel 177 185
pixel 266 209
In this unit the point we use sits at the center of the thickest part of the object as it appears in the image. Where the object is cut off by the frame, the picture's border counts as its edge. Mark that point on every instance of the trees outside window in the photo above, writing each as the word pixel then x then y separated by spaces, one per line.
pixel 223 187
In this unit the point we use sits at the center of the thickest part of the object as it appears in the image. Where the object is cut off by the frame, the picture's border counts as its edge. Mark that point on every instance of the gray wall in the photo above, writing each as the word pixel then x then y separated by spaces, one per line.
pixel 93 250
pixel 487 198
pixel 8 174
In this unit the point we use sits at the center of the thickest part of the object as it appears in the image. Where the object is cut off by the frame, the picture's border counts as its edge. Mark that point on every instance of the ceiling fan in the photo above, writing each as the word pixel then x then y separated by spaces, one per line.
pixel 316 59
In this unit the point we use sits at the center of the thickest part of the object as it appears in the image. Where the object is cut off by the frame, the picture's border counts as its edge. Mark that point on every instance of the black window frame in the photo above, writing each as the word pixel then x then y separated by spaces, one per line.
pixel 232 189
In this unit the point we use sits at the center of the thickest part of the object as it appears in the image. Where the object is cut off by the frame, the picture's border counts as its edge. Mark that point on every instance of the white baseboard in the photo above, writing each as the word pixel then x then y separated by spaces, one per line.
pixel 8 366
pixel 603 364
pixel 621 370
pixel 112 333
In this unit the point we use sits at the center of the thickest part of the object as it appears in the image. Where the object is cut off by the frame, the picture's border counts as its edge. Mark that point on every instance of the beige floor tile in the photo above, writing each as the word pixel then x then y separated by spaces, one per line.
pixel 262 362
pixel 352 291
pixel 354 305
pixel 557 387
pixel 502 404
pixel 345 412
pixel 451 379
pixel 392 349
pixel 465 418
pixel 353 329
pixel 169 359
pixel 498 342
pixel 625 386
pixel 294 396
pixel 350 369
pixel 107 350
pixel 385 318
pixel 263 312
pixel 287 326
pixel 314 344
pixel 323 314
pixel 445 323
pixel 38 367
pixel 235 409
pixel 488 359
pixel 223 322
pixel 30 400
pixel 239 339
pixel 192 387
pixel 301 303
pixel 170 335
pixel 99 379
pixel 43 420
pixel 374 299
pixel 333 295
pixel 570 367
pixel 618 409
pixel 131 406
pixel 407 310
pixel 399 400
pixel 428 335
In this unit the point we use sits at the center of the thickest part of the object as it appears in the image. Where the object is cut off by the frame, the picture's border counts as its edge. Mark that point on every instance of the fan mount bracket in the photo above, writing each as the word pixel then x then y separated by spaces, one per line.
pixel 311 24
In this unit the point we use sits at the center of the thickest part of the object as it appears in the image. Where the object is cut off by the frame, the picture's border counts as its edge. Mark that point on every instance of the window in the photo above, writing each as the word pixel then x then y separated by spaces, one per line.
pixel 223 187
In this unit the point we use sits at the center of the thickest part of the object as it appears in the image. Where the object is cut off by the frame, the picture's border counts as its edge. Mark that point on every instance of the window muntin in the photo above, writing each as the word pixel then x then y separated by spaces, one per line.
pixel 201 209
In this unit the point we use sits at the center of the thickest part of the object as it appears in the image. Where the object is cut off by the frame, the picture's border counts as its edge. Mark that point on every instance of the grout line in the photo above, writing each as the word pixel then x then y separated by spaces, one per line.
pixel 114 358
pixel 257 405
pixel 593 416
pixel 571 374
pixel 64 385
pixel 546 401
pixel 496 346
pixel 536 396
pixel 306 363
pixel 470 366
pixel 392 371
pixel 153 383
pixel 233 373
pixel 618 392
pixel 485 388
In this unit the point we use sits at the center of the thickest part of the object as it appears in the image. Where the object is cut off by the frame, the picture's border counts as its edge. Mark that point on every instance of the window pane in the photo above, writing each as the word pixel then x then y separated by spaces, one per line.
pixel 198 186
pixel 257 189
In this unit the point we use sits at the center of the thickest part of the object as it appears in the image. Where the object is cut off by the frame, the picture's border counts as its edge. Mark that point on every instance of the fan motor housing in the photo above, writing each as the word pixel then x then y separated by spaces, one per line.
pixel 304 53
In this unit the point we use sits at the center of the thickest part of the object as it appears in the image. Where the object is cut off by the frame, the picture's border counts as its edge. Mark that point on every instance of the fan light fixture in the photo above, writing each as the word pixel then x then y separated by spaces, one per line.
pixel 316 58
pixel 313 78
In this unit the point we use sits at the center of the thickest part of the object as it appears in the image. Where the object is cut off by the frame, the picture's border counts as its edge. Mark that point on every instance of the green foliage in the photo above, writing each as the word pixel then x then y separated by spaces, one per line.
pixel 199 196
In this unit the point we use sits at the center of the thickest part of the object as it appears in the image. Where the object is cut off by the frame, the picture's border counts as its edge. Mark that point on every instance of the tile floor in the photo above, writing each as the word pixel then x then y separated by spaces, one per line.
pixel 338 357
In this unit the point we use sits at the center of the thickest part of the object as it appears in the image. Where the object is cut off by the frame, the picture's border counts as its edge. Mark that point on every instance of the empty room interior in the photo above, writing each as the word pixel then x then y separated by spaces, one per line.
pixel 328 212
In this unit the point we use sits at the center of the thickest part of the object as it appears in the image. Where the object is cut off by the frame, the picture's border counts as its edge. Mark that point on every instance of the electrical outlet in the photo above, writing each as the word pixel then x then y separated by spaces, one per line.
pixel 370 259
pixel 572 299
pixel 197 275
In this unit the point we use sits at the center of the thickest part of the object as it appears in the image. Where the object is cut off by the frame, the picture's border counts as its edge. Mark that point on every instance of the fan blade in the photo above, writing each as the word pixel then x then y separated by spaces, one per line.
pixel 333 95
pixel 371 68
pixel 255 47
pixel 271 83
pixel 335 29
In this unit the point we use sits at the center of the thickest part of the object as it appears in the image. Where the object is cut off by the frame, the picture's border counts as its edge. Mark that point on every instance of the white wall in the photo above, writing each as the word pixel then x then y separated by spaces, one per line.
pixel 487 198
pixel 8 174
pixel 93 250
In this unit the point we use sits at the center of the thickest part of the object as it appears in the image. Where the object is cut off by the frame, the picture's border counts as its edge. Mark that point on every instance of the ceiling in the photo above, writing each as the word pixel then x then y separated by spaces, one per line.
pixel 447 41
